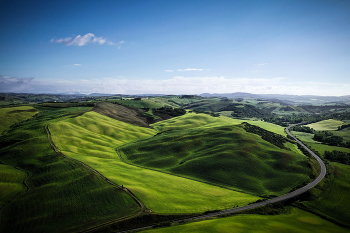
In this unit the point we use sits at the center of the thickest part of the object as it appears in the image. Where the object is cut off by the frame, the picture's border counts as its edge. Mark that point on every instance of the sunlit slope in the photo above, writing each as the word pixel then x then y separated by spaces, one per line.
pixel 91 138
pixel 11 183
pixel 225 155
pixel 298 221
pixel 63 194
pixel 10 116
pixel 330 124
pixel 194 120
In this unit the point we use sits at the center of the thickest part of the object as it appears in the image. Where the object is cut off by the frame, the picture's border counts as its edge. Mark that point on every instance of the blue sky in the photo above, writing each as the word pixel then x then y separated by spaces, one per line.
pixel 175 47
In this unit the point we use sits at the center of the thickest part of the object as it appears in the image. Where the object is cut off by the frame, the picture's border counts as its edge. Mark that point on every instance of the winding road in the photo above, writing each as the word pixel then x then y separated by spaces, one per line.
pixel 270 201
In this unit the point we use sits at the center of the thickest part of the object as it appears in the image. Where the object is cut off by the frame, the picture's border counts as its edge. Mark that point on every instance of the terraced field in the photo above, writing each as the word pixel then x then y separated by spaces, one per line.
pixel 297 221
pixel 10 116
pixel 91 138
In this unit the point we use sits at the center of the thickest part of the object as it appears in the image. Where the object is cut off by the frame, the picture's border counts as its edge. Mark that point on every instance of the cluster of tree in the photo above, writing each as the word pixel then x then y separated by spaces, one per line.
pixel 337 156
pixel 305 129
pixel 273 138
pixel 213 114
pixel 169 111
pixel 328 138
pixel 245 110
pixel 343 126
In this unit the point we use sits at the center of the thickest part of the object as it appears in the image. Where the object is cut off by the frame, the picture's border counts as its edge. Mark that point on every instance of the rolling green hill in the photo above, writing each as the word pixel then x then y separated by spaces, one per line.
pixel 10 116
pixel 63 194
pixel 91 138
pixel 225 155
pixel 11 183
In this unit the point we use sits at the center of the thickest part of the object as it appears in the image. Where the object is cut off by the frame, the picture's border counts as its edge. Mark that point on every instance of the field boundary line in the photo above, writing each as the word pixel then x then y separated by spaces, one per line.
pixel 143 207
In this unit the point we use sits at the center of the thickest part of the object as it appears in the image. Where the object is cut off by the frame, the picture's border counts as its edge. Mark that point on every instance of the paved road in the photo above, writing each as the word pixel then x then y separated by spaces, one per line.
pixel 273 200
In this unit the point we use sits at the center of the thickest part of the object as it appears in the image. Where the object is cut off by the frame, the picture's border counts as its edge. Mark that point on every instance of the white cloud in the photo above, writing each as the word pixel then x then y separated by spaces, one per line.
pixel 82 40
pixel 76 64
pixel 190 69
pixel 175 85
pixel 168 70
pixel 260 64
pixel 120 44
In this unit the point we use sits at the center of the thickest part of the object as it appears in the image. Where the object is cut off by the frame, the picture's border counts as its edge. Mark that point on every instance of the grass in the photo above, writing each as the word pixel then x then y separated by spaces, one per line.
pixel 11 183
pixel 333 202
pixel 305 137
pixel 330 124
pixel 144 103
pixel 225 155
pixel 297 221
pixel 321 148
pixel 91 138
pixel 63 195
pixel 345 133
pixel 10 116
pixel 194 120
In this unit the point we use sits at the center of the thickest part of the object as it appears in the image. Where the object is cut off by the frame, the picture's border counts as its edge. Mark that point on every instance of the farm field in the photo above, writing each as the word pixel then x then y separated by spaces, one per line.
pixel 297 221
pixel 91 138
pixel 58 186
pixel 10 116
pixel 226 155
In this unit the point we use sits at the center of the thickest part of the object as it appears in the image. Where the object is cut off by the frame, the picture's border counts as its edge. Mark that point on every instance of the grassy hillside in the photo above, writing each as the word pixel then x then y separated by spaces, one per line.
pixel 330 124
pixel 225 155
pixel 332 200
pixel 194 120
pixel 11 183
pixel 298 221
pixel 91 138
pixel 10 116
pixel 144 103
pixel 63 195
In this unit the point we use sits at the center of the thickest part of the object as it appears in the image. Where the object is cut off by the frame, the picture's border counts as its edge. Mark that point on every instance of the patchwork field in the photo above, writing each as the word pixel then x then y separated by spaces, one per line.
pixel 297 221
pixel 10 116
pixel 91 138
pixel 225 155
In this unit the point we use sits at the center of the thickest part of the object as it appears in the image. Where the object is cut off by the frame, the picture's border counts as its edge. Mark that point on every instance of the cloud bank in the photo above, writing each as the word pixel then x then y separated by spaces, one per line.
pixel 83 40
pixel 175 85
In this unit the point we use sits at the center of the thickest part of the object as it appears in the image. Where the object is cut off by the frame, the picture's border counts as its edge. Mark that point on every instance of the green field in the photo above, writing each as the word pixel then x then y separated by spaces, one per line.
pixel 225 155
pixel 91 138
pixel 334 200
pixel 144 103
pixel 305 137
pixel 345 133
pixel 10 116
pixel 63 195
pixel 329 125
pixel 194 120
pixel 297 221
pixel 321 148
pixel 11 183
